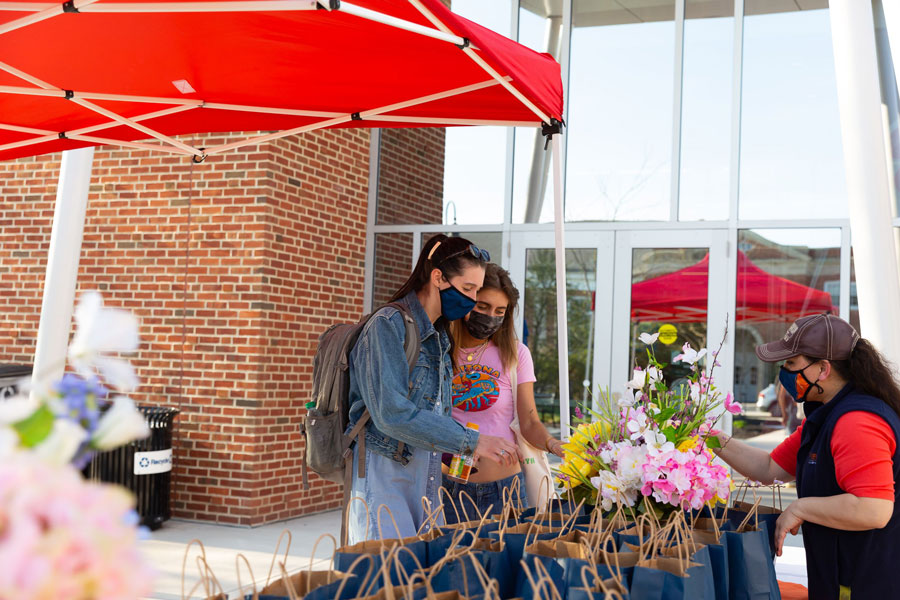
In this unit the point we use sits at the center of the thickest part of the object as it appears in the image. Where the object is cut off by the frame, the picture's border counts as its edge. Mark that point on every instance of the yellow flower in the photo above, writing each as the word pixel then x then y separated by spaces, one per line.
pixel 576 468
pixel 689 444
pixel 587 433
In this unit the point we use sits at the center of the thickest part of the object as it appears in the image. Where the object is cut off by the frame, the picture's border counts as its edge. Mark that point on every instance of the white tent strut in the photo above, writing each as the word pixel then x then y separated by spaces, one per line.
pixel 562 320
pixel 505 82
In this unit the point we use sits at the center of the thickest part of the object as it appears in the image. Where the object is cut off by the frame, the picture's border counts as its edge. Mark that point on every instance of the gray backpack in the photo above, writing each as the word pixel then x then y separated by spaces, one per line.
pixel 329 451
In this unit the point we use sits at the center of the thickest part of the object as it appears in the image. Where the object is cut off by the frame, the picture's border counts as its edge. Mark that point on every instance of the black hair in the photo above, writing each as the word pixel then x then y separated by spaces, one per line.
pixel 870 373
pixel 452 247
pixel 447 254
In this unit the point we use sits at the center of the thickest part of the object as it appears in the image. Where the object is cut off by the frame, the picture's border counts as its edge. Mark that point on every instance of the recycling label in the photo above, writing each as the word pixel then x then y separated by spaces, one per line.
pixel 150 463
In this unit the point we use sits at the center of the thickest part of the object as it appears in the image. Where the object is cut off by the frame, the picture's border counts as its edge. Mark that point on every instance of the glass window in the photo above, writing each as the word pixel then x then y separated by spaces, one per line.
pixel 706 110
pixel 393 264
pixel 782 275
pixel 540 28
pixel 540 332
pixel 453 175
pixel 475 158
pixel 619 145
pixel 890 99
pixel 669 295
pixel 791 154
pixel 488 240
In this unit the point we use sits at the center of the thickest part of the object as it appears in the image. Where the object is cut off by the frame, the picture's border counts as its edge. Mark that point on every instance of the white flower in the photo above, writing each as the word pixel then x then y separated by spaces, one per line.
pixel 630 465
pixel 637 381
pixel 17 408
pixel 689 355
pixel 649 339
pixel 121 424
pixel 60 446
pixel 637 424
pixel 695 391
pixel 628 399
pixel 654 374
pixel 657 443
pixel 9 442
pixel 100 331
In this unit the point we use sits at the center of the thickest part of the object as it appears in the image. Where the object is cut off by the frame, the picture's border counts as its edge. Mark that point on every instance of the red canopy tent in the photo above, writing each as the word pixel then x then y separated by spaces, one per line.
pixel 88 72
pixel 682 296
pixel 98 72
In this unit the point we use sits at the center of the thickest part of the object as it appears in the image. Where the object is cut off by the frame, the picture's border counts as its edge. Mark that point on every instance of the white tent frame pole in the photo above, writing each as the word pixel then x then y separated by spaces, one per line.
pixel 504 81
pixel 80 134
pixel 444 35
pixel 562 317
pixel 43 15
pixel 63 257
pixel 130 123
pixel 865 163
pixel 363 115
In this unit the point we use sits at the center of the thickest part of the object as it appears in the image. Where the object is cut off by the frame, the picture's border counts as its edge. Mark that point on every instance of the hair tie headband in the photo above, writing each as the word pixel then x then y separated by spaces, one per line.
pixel 433 248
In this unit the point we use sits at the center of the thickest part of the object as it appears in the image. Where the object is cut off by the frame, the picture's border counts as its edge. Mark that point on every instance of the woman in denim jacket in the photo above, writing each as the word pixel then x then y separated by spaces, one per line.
pixel 410 423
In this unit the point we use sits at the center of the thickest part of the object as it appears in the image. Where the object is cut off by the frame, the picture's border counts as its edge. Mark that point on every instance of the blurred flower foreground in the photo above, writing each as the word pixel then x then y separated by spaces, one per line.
pixel 62 537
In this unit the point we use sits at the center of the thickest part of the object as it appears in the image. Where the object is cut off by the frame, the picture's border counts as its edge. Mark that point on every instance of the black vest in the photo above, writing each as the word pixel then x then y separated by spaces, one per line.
pixel 868 562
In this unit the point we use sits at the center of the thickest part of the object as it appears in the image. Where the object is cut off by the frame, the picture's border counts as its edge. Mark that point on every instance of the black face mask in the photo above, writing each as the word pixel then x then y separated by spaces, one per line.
pixel 481 326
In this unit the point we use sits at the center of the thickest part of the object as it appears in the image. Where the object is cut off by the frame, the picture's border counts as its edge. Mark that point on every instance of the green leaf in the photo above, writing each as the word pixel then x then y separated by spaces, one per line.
pixel 713 442
pixel 35 429
pixel 670 433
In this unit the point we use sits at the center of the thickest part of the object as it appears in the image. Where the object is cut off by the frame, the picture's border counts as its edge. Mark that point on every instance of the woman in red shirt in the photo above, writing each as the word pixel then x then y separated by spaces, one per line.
pixel 844 457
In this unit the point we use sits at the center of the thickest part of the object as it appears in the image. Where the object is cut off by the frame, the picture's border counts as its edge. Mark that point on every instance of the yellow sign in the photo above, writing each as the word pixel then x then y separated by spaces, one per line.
pixel 668 334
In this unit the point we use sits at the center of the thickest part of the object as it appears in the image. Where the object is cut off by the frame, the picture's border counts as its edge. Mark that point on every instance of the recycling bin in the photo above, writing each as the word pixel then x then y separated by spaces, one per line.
pixel 10 376
pixel 143 466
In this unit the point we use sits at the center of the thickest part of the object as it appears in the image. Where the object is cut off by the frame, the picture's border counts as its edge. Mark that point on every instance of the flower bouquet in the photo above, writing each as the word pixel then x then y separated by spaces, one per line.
pixel 650 449
pixel 63 537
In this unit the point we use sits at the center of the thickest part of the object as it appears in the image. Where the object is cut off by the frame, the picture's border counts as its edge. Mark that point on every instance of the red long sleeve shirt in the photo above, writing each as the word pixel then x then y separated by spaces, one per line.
pixel 863 447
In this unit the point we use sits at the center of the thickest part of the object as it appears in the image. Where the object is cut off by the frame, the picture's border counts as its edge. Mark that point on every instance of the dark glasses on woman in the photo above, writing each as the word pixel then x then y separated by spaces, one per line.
pixel 475 251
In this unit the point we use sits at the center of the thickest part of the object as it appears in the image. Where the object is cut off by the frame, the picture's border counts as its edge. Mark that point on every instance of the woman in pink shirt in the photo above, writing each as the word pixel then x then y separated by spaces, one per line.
pixel 487 350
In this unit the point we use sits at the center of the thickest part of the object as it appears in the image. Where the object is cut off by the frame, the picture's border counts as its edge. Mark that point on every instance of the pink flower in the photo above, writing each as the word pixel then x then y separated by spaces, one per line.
pixel 70 538
pixel 732 406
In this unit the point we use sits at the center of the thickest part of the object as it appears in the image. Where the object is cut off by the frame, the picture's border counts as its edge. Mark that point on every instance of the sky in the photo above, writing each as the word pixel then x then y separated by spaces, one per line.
pixel 621 123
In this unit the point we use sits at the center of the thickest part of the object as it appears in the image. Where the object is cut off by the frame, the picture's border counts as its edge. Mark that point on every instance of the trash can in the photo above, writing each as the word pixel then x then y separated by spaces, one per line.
pixel 143 466
pixel 10 375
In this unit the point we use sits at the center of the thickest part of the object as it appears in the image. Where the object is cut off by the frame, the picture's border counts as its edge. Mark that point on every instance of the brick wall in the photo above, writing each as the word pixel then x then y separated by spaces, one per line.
pixel 277 242
pixel 410 191
pixel 276 254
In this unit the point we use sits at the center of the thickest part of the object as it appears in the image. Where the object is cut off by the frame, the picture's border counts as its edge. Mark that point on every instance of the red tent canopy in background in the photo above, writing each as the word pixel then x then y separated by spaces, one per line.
pixel 105 73
pixel 682 296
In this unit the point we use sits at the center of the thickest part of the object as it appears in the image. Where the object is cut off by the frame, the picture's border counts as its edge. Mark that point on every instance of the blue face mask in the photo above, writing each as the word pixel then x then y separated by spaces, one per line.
pixel 454 304
pixel 796 383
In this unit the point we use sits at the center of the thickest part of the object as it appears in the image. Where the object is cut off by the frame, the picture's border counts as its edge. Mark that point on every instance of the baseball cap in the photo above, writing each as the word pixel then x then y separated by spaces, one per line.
pixel 823 336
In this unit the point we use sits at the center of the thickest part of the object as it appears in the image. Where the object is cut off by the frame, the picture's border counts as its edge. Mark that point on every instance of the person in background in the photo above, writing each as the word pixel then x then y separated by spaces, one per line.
pixel 410 412
pixel 844 458
pixel 789 419
pixel 488 351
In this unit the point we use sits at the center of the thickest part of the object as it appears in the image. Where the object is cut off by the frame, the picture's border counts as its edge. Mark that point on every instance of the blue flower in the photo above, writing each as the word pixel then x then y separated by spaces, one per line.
pixel 82 399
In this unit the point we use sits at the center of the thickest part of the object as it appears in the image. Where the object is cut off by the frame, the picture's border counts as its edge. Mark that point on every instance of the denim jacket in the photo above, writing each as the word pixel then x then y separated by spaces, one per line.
pixel 402 405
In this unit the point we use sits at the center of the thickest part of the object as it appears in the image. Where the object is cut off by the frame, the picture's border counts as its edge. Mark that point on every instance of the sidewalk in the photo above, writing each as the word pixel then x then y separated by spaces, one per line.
pixel 166 546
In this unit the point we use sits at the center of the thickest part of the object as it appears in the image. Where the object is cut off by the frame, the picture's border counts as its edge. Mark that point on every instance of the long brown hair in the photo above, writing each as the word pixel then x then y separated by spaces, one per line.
pixel 871 373
pixel 505 339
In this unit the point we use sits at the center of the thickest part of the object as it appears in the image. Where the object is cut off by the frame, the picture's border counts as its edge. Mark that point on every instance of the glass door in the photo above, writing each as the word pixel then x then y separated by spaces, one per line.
pixel 589 269
pixel 673 283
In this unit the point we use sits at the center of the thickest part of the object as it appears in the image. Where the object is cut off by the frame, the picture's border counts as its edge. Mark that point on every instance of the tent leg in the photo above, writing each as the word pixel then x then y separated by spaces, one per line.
pixel 562 336
pixel 62 267
pixel 865 162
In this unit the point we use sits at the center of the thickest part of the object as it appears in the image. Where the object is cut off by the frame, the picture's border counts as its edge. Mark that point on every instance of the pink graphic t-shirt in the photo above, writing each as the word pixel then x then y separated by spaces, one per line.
pixel 481 389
